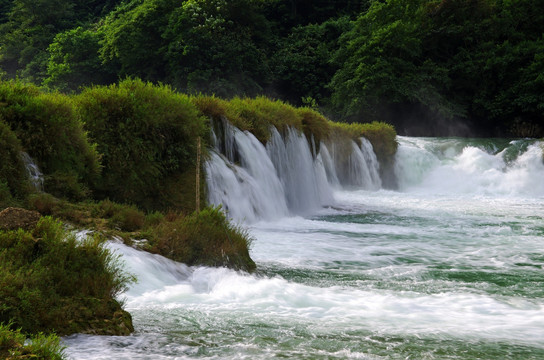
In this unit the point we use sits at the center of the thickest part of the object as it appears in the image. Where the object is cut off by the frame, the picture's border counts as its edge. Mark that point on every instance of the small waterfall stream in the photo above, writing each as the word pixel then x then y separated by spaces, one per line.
pixel 34 174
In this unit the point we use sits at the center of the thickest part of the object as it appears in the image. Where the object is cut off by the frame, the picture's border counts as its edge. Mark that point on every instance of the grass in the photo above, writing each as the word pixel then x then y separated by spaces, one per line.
pixel 203 238
pixel 15 345
pixel 14 182
pixel 146 135
pixel 52 282
pixel 381 135
pixel 47 127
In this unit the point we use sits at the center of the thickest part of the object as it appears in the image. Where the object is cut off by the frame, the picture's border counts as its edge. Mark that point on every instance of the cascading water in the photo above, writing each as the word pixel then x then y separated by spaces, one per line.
pixel 284 177
pixel 448 267
pixel 34 174
pixel 516 168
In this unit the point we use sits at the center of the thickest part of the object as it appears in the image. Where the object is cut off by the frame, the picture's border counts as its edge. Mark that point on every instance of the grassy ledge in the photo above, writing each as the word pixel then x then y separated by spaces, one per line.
pixel 52 282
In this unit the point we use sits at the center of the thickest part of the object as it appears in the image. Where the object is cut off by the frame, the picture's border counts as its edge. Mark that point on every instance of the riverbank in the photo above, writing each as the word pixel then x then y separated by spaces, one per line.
pixel 121 161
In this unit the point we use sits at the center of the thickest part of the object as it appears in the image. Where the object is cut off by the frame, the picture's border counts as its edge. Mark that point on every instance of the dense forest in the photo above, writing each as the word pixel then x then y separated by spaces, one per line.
pixel 429 67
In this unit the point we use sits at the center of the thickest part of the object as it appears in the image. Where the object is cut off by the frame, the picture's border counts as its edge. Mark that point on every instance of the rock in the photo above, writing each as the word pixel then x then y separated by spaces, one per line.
pixel 14 218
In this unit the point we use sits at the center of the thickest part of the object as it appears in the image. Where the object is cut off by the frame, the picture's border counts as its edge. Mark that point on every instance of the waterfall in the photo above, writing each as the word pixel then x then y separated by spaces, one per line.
pixel 304 179
pixel 34 174
pixel 253 181
pixel 470 166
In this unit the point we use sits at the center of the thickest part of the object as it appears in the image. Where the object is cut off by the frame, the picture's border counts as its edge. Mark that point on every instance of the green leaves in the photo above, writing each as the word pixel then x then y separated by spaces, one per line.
pixel 49 281
pixel 146 135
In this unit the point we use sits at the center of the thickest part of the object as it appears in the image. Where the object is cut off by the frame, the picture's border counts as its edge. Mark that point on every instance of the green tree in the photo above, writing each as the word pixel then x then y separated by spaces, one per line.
pixel 74 61
pixel 215 46
pixel 383 64
pixel 24 38
pixel 133 38
pixel 302 64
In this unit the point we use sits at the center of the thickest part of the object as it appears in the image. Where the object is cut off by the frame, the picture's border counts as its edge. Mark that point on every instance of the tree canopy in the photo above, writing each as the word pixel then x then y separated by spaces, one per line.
pixel 430 67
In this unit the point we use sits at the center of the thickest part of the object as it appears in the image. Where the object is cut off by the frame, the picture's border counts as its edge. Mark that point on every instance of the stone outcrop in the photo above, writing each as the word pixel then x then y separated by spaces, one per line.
pixel 14 218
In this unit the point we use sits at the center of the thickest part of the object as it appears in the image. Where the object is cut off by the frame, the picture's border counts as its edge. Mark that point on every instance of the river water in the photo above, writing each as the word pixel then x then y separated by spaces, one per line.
pixel 449 266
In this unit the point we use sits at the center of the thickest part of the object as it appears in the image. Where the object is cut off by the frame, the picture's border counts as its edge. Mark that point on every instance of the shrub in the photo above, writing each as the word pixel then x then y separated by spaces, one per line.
pixel 146 134
pixel 49 130
pixel 13 177
pixel 14 345
pixel 315 125
pixel 128 218
pixel 259 114
pixel 204 238
pixel 381 135
pixel 52 282
pixel 44 203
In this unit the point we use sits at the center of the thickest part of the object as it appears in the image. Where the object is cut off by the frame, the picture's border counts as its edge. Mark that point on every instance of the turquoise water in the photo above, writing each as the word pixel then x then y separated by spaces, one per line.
pixel 448 267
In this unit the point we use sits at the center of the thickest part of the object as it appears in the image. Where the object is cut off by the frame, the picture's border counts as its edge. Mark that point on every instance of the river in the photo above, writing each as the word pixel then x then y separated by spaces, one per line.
pixel 449 266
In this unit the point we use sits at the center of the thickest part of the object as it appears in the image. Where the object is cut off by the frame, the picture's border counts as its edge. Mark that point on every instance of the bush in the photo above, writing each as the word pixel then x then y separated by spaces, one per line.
pixel 52 282
pixel 13 177
pixel 147 135
pixel 381 135
pixel 204 238
pixel 48 129
pixel 315 125
pixel 14 345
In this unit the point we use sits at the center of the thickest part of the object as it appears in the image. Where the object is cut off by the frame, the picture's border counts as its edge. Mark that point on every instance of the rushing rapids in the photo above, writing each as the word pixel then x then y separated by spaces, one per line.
pixel 449 266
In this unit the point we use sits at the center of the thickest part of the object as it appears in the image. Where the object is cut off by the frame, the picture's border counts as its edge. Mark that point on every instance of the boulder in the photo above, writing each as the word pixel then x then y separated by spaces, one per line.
pixel 14 218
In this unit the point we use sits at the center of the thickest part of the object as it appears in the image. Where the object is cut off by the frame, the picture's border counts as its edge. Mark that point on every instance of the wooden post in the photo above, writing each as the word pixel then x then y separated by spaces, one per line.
pixel 198 174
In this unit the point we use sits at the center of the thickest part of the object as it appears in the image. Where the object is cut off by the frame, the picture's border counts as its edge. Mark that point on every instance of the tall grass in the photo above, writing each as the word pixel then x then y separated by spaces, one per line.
pixel 14 182
pixel 48 128
pixel 147 136
pixel 52 282
pixel 381 135
pixel 203 238
pixel 15 345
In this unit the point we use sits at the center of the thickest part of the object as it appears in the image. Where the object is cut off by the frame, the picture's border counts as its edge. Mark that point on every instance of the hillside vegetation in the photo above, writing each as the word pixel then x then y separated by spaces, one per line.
pixel 429 67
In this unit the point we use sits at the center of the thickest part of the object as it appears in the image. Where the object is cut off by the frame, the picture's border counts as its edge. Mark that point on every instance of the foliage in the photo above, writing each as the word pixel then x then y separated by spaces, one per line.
pixel 14 345
pixel 49 130
pixel 52 282
pixel 381 135
pixel 74 61
pixel 302 64
pixel 429 64
pixel 203 238
pixel 24 37
pixel 218 47
pixel 133 38
pixel 13 177
pixel 147 136
pixel 384 63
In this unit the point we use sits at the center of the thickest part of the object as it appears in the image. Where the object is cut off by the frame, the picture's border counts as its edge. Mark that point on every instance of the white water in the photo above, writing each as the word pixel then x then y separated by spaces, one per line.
pixel 282 178
pixel 450 267
pixel 34 174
